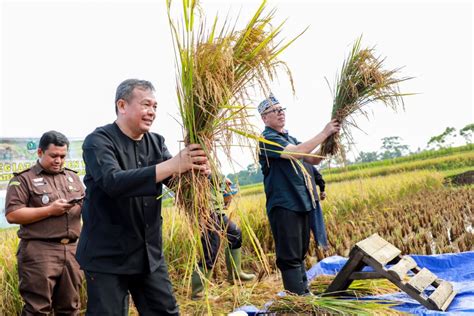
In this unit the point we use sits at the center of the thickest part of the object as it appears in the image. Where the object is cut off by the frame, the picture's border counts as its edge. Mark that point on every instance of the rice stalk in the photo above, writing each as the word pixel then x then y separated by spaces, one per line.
pixel 358 288
pixel 215 71
pixel 217 68
pixel 362 80
pixel 308 305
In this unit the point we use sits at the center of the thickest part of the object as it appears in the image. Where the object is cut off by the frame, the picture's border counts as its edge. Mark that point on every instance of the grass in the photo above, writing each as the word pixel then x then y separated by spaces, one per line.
pixel 455 161
pixel 10 299
pixel 428 154
pixel 448 163
pixel 413 210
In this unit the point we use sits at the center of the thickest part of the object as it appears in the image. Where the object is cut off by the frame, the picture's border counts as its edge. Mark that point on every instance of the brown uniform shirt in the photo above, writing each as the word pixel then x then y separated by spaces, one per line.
pixel 35 187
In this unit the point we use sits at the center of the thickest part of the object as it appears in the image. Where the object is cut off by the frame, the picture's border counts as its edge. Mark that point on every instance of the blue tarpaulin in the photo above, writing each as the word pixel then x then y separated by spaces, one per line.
pixel 457 268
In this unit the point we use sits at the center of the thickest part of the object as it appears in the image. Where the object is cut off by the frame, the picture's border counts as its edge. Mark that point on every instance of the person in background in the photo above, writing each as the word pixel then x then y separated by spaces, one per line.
pixel 289 201
pixel 45 200
pixel 211 240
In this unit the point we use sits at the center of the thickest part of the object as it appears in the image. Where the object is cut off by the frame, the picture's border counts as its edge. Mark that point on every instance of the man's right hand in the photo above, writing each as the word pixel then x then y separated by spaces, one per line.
pixel 59 207
pixel 191 157
pixel 332 127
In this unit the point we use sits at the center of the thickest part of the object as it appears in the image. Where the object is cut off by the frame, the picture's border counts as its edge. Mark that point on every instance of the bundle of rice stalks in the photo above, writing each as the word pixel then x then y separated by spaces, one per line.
pixel 362 80
pixel 216 68
pixel 315 305
pixel 358 288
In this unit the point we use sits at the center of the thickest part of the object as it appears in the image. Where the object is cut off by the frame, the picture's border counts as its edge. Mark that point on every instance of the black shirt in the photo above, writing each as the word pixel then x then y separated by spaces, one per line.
pixel 283 179
pixel 122 223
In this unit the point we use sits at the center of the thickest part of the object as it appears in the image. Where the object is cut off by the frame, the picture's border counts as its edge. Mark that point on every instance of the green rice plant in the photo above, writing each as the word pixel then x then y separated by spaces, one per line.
pixel 446 163
pixel 427 154
pixel 11 302
pixel 351 197
pixel 408 208
pixel 362 81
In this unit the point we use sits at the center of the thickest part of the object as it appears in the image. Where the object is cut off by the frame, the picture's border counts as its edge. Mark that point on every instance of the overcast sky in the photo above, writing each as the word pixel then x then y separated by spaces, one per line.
pixel 62 61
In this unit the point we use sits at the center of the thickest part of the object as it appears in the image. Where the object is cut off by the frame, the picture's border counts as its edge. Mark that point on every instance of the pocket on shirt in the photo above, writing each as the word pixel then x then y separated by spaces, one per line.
pixel 42 195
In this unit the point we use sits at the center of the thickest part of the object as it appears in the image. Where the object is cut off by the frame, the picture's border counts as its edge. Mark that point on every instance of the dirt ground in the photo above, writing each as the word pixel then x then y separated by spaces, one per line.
pixel 465 178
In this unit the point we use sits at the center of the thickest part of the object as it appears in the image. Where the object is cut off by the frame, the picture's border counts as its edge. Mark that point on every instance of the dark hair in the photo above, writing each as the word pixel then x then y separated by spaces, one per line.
pixel 125 89
pixel 52 137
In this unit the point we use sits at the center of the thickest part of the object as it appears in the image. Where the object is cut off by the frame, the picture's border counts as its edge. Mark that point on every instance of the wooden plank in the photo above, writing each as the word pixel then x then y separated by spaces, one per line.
pixel 448 301
pixel 400 269
pixel 371 244
pixel 341 282
pixel 386 254
pixel 422 280
pixel 441 294
pixel 414 293
pixel 366 275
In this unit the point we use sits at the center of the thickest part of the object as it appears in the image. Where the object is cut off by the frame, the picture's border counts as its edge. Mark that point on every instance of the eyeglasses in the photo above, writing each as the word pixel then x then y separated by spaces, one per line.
pixel 278 111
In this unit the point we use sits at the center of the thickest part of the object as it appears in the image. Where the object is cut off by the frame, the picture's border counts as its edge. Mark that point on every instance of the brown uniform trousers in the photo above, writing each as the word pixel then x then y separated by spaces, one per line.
pixel 49 275
pixel 49 278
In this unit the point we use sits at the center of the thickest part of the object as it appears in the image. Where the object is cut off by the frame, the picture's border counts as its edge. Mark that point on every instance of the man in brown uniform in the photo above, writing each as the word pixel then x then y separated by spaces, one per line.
pixel 41 200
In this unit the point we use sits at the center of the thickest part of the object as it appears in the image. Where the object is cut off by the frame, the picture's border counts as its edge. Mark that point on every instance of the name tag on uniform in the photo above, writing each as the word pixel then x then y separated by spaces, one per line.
pixel 38 181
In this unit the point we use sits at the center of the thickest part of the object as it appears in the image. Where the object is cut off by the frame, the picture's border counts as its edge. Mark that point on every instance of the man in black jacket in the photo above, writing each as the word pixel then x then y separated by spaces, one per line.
pixel 120 247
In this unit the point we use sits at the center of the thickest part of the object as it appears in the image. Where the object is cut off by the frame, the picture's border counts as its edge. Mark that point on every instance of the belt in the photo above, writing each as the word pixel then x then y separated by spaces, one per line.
pixel 64 241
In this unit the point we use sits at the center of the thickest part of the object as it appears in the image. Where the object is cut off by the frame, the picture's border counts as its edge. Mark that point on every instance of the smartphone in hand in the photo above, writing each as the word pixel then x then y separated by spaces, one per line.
pixel 75 200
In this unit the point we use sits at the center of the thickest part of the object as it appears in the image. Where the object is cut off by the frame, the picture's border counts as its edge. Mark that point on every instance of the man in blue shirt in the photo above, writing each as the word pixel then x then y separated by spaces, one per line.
pixel 288 191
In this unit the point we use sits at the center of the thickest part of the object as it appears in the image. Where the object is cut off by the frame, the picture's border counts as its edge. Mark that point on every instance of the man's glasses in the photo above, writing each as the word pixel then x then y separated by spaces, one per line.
pixel 278 111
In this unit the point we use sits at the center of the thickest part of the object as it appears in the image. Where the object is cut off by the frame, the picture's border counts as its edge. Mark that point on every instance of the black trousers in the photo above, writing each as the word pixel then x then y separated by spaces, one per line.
pixel 152 293
pixel 291 233
pixel 211 237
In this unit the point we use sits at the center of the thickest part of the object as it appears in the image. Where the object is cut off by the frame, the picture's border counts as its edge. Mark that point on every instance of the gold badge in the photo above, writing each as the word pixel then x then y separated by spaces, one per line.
pixel 70 179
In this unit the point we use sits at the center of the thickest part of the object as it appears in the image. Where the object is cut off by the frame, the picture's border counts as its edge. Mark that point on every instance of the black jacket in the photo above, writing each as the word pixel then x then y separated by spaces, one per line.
pixel 122 223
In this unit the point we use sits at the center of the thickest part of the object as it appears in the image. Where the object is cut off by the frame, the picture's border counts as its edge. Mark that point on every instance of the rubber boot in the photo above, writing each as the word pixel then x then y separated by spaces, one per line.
pixel 197 284
pixel 233 261
pixel 293 281
pixel 305 281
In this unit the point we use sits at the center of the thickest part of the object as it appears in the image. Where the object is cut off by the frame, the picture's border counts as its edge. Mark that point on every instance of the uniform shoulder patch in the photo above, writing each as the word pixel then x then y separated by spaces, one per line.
pixel 14 183
pixel 66 168
pixel 23 171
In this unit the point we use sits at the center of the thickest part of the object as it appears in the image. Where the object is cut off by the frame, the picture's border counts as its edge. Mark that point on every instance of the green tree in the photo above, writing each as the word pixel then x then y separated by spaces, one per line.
pixel 367 156
pixel 249 176
pixel 467 132
pixel 392 147
pixel 442 140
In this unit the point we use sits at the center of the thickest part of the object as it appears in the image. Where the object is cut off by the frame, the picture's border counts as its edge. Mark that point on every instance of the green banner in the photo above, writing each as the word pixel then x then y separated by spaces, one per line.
pixel 18 154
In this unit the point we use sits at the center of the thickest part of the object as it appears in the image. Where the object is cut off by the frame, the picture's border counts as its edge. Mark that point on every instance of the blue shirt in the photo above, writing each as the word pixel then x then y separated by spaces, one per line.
pixel 283 179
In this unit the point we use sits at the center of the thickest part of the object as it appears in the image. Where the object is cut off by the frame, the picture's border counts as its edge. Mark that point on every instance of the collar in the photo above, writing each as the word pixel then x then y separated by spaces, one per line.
pixel 38 169
pixel 284 132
